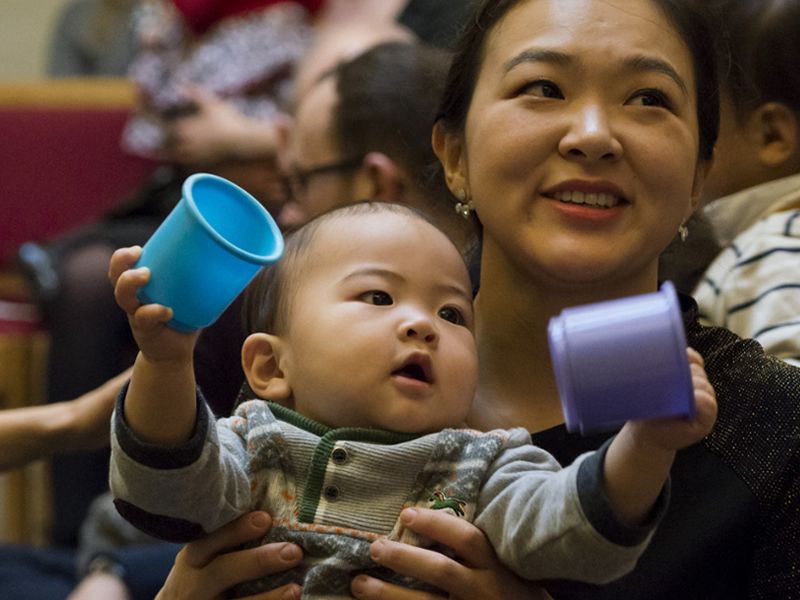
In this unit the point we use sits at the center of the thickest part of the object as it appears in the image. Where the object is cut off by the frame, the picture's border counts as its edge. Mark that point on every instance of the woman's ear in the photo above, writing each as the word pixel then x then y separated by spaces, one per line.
pixel 262 361
pixel 776 126
pixel 449 150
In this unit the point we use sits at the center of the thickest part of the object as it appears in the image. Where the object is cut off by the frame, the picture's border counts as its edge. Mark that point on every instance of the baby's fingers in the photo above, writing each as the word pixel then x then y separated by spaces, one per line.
pixel 705 404
pixel 695 358
pixel 700 381
pixel 122 260
pixel 150 317
pixel 126 287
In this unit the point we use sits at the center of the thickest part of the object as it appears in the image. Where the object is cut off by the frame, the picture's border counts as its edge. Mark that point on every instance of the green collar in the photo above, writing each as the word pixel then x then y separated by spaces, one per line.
pixel 371 435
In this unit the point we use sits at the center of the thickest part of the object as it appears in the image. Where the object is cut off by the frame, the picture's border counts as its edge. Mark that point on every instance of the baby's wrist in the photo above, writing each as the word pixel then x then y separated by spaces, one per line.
pixel 156 361
pixel 641 442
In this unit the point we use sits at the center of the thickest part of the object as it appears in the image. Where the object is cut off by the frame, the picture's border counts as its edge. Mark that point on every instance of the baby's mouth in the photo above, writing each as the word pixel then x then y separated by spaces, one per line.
pixel 417 367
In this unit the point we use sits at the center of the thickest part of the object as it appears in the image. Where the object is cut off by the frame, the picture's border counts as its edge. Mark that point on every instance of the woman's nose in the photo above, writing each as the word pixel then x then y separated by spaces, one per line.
pixel 590 135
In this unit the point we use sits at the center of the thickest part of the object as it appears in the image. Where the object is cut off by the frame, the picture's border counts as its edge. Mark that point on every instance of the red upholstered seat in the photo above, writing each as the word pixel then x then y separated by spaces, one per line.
pixel 60 161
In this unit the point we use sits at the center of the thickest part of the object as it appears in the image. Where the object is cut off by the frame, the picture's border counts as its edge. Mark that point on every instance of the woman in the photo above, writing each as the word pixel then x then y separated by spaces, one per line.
pixel 579 132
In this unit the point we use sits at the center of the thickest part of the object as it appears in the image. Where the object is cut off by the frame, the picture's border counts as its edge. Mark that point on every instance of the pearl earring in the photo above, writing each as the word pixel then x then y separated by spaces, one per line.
pixel 463 207
pixel 683 231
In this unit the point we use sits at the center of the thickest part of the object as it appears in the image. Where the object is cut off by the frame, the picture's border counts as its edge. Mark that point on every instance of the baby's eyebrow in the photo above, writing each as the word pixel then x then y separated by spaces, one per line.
pixel 444 288
pixel 456 290
pixel 375 271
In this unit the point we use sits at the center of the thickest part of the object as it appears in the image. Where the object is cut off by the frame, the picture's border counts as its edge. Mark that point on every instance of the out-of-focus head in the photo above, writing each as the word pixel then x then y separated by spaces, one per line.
pixel 363 131
pixel 342 43
pixel 760 94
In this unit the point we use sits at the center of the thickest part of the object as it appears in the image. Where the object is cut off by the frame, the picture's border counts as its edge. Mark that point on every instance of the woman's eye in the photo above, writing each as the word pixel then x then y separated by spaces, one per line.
pixel 650 98
pixel 543 88
pixel 453 315
pixel 377 297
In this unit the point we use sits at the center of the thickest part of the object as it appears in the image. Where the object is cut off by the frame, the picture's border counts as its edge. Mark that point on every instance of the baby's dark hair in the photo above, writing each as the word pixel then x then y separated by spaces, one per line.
pixel 760 58
pixel 268 298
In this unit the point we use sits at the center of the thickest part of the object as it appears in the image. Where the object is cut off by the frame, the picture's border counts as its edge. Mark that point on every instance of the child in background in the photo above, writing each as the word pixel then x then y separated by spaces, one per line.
pixel 753 187
pixel 364 367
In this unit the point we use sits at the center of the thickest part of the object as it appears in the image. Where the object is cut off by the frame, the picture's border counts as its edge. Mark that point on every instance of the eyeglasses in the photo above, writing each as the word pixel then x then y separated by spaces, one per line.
pixel 299 178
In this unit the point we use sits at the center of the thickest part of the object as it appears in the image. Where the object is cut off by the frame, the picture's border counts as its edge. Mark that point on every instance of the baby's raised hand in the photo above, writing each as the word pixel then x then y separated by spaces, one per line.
pixel 680 432
pixel 148 322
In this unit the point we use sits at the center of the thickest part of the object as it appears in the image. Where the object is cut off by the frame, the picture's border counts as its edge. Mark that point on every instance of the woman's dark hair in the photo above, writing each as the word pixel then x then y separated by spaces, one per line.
pixel 691 20
pixel 763 57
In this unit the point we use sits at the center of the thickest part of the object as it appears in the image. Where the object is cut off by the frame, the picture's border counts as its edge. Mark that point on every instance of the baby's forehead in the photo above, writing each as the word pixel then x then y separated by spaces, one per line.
pixel 381 235
pixel 356 230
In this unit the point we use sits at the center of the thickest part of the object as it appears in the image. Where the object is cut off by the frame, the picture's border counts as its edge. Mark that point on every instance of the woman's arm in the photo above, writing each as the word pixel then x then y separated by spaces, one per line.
pixel 35 432
pixel 205 569
pixel 477 576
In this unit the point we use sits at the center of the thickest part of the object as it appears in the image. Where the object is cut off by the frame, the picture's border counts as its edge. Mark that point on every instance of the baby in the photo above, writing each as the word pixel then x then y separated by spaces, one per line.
pixel 364 368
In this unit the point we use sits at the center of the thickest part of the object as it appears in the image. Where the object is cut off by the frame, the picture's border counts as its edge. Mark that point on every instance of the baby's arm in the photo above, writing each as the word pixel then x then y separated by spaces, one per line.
pixel 639 459
pixel 160 405
pixel 592 520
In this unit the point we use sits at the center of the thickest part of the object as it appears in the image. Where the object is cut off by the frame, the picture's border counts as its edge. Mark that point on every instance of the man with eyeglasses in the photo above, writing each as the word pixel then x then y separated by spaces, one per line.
pixel 363 131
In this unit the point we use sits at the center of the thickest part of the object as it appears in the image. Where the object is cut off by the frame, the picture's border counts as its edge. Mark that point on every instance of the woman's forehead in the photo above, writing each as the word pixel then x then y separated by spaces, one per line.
pixel 618 27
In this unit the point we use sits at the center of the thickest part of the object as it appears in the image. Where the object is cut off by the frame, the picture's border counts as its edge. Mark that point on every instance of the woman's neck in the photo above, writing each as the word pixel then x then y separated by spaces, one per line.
pixel 516 384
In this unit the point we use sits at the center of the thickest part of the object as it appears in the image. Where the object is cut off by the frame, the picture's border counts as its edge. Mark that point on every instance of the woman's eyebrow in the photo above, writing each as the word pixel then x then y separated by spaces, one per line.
pixel 547 56
pixel 634 63
pixel 652 64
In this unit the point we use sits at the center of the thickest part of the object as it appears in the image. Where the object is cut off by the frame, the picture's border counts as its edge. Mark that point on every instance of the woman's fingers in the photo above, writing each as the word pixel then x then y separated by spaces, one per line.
pixel 476 575
pixel 468 542
pixel 244 529
pixel 206 568
pixel 426 565
pixel 237 567
pixel 369 588
pixel 289 591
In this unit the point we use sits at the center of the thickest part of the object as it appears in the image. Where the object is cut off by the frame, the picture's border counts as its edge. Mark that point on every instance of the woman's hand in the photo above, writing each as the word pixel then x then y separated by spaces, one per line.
pixel 206 568
pixel 90 415
pixel 478 576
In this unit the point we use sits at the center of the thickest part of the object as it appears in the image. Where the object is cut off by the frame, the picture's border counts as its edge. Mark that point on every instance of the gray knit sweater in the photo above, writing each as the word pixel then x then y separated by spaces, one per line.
pixel 334 491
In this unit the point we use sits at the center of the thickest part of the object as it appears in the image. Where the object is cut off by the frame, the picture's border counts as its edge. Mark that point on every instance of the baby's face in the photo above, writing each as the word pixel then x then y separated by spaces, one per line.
pixel 380 330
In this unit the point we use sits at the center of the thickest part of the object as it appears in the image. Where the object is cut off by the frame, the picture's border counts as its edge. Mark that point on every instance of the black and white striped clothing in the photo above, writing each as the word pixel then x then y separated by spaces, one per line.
pixel 753 286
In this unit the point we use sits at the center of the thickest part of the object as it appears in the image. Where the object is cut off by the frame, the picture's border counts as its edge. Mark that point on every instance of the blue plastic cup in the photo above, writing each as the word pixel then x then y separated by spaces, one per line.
pixel 207 250
pixel 620 360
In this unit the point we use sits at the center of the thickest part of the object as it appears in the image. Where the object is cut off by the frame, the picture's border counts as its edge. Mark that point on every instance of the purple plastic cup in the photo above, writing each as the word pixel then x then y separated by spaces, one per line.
pixel 207 250
pixel 620 360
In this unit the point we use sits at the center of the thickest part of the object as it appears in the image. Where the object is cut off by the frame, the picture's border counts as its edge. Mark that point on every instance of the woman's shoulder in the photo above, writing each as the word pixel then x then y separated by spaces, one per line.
pixel 758 424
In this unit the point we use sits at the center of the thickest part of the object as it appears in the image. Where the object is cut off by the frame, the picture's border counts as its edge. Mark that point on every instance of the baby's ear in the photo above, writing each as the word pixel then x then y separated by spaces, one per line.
pixel 261 360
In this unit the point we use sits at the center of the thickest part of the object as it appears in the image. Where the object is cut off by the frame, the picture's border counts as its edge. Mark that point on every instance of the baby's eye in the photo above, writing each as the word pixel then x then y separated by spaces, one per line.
pixel 543 88
pixel 377 297
pixel 453 315
pixel 650 98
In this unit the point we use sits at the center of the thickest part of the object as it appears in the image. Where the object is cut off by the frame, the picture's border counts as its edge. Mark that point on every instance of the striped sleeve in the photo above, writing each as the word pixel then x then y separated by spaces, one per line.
pixel 753 286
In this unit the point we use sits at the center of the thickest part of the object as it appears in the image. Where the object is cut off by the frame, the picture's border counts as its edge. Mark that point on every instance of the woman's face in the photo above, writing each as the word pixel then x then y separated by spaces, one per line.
pixel 581 142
